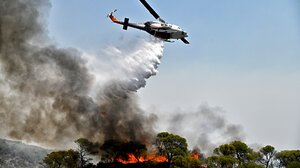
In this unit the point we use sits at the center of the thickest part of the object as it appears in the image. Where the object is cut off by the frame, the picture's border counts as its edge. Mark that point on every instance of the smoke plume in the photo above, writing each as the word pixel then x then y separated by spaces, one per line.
pixel 205 128
pixel 52 95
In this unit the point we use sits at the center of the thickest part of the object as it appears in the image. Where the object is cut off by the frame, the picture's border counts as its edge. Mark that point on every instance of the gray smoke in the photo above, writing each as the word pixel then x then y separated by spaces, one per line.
pixel 205 128
pixel 51 96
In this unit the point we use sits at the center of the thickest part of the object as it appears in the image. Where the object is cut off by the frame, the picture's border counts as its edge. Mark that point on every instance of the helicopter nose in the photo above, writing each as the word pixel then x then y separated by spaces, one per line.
pixel 184 34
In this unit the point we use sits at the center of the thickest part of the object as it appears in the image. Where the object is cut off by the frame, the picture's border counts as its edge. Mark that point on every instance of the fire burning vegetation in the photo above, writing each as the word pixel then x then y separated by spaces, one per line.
pixel 151 157
pixel 51 96
pixel 168 149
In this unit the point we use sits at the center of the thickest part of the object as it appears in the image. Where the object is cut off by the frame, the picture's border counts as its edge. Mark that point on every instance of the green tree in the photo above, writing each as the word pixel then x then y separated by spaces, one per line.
pixel 288 158
pixel 194 163
pixel 111 151
pixel 225 149
pixel 170 146
pixel 62 159
pixel 266 156
pixel 252 165
pixel 242 151
pixel 244 154
pixel 180 162
pixel 293 164
pixel 236 153
pixel 221 161
pixel 186 162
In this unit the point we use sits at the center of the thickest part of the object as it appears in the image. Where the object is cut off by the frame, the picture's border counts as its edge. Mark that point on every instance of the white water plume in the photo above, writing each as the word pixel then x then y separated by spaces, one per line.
pixel 129 64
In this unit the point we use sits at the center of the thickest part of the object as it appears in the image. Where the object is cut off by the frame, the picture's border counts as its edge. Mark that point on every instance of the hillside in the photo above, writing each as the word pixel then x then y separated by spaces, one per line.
pixel 15 154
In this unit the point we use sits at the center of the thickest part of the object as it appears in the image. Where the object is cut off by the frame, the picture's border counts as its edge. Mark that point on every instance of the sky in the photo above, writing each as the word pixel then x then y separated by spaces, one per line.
pixel 244 57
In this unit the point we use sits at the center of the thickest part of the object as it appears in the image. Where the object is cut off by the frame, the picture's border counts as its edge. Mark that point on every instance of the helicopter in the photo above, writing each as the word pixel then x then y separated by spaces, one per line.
pixel 160 29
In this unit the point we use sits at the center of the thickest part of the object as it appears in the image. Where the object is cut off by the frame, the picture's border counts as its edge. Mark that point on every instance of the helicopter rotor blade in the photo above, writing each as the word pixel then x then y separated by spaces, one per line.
pixel 185 41
pixel 150 9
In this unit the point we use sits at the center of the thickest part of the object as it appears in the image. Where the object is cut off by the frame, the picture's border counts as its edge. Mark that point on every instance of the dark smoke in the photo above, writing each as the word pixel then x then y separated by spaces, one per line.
pixel 45 91
pixel 52 96
pixel 205 128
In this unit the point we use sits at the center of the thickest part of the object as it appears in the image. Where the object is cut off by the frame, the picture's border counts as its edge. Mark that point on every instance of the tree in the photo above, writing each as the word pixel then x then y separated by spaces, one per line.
pixel 266 155
pixel 293 164
pixel 241 151
pixel 225 156
pixel 244 154
pixel 221 161
pixel 111 150
pixel 85 148
pixel 288 158
pixel 180 161
pixel 191 160
pixel 170 146
pixel 62 159
pixel 225 149
pixel 236 153
pixel 252 165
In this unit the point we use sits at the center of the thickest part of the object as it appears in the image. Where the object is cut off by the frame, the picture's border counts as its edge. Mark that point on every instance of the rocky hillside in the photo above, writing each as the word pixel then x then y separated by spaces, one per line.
pixel 19 155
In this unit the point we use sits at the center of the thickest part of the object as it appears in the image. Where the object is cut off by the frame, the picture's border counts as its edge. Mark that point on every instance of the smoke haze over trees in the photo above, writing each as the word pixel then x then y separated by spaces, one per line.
pixel 16 154
pixel 173 151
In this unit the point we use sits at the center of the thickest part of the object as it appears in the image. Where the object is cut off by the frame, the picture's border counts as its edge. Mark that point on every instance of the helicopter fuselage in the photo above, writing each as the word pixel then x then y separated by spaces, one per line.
pixel 164 31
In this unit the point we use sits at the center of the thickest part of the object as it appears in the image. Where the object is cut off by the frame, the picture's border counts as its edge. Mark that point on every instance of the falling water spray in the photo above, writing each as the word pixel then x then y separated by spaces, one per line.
pixel 51 95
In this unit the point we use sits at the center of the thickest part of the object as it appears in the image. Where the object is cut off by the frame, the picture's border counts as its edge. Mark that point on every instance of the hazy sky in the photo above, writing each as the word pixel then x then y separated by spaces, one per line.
pixel 244 57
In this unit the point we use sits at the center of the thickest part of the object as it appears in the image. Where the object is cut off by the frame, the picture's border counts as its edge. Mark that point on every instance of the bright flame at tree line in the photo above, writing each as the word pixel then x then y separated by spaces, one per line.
pixel 152 157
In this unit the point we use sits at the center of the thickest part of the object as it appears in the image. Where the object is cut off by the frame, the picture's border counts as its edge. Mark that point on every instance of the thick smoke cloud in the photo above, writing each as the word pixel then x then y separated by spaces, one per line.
pixel 205 128
pixel 50 95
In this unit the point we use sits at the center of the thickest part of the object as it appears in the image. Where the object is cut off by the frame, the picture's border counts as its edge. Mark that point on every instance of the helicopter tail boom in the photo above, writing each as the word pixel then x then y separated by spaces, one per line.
pixel 112 17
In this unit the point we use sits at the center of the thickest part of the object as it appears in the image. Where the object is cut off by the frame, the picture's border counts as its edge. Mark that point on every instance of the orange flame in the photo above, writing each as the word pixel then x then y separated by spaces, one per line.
pixel 152 157
pixel 131 159
pixel 156 158
pixel 195 155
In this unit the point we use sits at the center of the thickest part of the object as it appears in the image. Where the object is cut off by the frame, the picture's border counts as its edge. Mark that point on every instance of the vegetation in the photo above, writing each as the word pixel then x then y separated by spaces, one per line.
pixel 112 151
pixel 18 154
pixel 60 159
pixel 234 154
pixel 266 155
pixel 84 149
pixel 289 158
pixel 172 151
pixel 171 146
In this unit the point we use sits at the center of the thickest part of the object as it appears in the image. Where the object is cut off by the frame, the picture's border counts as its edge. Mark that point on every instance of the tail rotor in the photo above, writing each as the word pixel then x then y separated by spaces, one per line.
pixel 111 13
